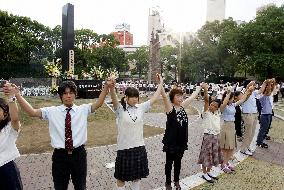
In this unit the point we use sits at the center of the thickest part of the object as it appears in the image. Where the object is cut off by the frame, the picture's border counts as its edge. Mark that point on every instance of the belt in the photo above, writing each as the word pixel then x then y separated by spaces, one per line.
pixel 70 152
pixel 249 113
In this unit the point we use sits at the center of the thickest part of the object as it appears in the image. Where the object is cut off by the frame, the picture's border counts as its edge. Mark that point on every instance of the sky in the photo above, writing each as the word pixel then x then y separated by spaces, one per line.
pixel 101 16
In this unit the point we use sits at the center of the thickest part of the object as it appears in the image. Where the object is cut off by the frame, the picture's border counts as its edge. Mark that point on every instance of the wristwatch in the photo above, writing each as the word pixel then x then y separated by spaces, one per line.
pixel 12 99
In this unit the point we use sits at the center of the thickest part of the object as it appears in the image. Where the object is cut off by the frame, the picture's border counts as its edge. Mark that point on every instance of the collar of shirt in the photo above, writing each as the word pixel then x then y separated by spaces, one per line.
pixel 131 107
pixel 63 108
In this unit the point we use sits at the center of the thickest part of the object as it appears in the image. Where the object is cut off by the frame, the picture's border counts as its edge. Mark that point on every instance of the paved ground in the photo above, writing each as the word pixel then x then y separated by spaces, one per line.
pixel 36 168
pixel 274 154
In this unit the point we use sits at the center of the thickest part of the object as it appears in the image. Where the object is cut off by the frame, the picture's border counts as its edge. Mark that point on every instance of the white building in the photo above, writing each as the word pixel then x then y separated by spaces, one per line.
pixel 215 10
pixel 154 23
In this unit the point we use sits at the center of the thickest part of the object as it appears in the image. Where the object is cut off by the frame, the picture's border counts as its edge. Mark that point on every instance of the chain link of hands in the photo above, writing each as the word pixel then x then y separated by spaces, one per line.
pixel 10 89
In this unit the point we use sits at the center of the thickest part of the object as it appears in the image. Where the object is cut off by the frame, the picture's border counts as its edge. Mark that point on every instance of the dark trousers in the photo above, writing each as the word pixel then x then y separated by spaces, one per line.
pixel 269 123
pixel 238 121
pixel 10 178
pixel 170 159
pixel 265 120
pixel 64 165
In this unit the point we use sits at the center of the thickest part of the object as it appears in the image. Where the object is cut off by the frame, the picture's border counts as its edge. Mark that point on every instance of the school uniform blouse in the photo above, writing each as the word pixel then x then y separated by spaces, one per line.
pixel 211 122
pixel 229 112
pixel 130 125
pixel 176 134
pixel 56 123
pixel 8 148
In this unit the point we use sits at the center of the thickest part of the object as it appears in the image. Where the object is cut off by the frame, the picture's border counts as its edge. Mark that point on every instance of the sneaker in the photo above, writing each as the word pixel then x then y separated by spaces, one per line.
pixel 212 176
pixel 247 152
pixel 226 170
pixel 263 145
pixel 207 178
pixel 231 167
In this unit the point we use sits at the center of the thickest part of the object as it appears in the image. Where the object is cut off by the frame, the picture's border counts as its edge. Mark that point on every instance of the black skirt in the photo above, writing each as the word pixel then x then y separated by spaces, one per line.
pixel 131 164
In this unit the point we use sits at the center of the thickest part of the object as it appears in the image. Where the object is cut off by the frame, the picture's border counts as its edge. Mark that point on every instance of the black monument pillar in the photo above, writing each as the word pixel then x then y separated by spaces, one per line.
pixel 67 36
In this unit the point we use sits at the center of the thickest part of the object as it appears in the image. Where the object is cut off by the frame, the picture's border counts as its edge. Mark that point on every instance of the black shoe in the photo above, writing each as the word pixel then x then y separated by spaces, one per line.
pixel 268 138
pixel 213 177
pixel 168 186
pixel 263 145
pixel 208 180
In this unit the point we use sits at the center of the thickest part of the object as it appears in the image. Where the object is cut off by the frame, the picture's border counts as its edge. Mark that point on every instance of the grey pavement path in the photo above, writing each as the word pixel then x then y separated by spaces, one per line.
pixel 36 168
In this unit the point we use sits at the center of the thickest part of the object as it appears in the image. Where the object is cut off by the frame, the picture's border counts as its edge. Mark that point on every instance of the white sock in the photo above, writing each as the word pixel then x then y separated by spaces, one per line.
pixel 206 176
pixel 134 185
pixel 120 188
pixel 212 174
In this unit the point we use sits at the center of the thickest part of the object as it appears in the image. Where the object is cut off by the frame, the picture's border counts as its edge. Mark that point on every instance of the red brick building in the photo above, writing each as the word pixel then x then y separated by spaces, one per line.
pixel 124 37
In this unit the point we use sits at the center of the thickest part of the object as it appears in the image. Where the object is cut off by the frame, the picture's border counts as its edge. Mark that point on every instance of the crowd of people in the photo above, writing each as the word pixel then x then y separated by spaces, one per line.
pixel 228 108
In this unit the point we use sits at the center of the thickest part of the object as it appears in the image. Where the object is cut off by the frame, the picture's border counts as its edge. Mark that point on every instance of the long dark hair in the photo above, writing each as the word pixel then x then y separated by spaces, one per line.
pixel 130 92
pixel 4 106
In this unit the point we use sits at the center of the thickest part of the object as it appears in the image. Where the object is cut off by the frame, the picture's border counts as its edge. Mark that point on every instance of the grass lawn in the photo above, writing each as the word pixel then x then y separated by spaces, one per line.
pixel 254 174
pixel 277 131
pixel 279 112
pixel 251 174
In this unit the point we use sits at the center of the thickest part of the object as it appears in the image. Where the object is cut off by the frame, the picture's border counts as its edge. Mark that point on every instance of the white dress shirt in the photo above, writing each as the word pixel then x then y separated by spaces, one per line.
pixel 8 148
pixel 130 125
pixel 56 122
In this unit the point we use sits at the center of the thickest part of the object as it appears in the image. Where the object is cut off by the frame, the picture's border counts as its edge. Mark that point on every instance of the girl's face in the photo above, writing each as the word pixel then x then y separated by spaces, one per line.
pixel 213 107
pixel 177 99
pixel 132 101
pixel 2 114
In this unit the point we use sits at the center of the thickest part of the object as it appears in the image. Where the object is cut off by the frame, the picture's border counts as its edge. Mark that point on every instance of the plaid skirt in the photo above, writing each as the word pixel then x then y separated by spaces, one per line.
pixel 210 153
pixel 131 164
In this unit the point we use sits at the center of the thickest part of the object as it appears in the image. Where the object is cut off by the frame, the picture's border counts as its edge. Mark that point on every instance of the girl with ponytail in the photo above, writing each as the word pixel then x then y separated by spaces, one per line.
pixel 131 162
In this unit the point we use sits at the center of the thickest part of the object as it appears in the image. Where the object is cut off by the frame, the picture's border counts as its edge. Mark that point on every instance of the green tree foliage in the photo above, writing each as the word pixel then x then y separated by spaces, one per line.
pixel 141 58
pixel 261 43
pixel 25 43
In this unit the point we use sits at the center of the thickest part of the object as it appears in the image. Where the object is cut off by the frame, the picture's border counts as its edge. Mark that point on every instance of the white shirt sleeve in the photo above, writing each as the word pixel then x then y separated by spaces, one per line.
pixel 146 106
pixel 45 112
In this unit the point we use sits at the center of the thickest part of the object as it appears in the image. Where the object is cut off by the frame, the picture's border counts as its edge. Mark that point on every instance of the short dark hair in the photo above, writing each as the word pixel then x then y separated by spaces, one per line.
pixel 237 93
pixel 173 92
pixel 67 84
pixel 5 108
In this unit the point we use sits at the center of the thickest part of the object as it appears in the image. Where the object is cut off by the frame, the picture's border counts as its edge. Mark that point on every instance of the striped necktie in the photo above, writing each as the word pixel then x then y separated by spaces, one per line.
pixel 68 131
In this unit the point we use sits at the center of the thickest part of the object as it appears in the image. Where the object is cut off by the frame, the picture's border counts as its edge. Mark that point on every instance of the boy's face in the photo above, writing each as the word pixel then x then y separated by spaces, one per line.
pixel 68 97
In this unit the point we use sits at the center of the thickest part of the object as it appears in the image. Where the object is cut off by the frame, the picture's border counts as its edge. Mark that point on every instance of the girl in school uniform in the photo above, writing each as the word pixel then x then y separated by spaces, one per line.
pixel 228 133
pixel 210 153
pixel 131 162
pixel 176 134
pixel 9 129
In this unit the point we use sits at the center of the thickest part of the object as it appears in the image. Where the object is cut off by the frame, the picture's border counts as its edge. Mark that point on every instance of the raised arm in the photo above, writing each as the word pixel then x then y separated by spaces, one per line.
pixel 102 97
pixel 187 101
pixel 206 97
pixel 261 90
pixel 168 105
pixel 158 91
pixel 113 94
pixel 26 106
pixel 226 100
pixel 245 96
pixel 13 109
